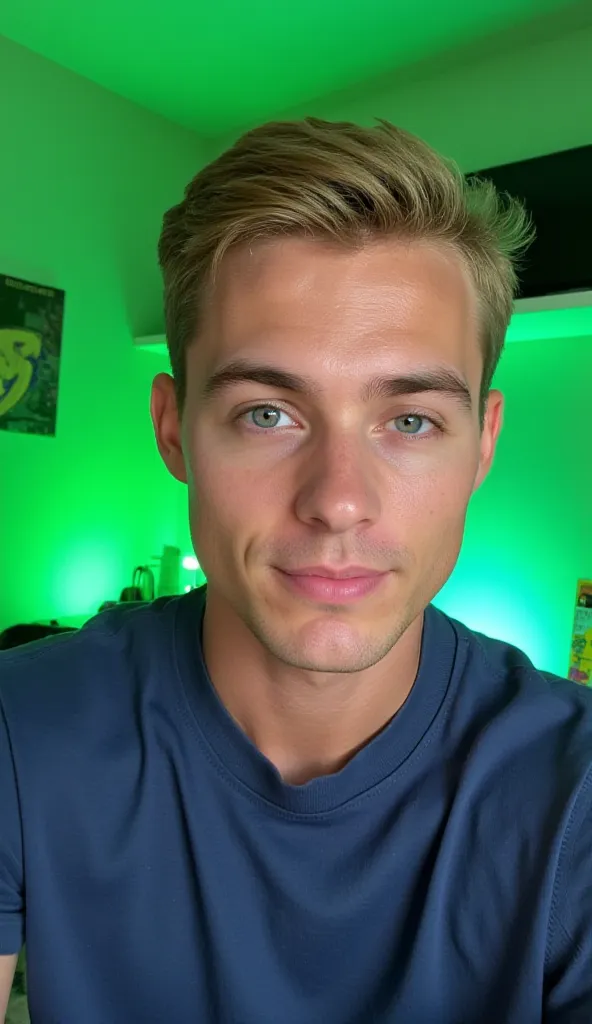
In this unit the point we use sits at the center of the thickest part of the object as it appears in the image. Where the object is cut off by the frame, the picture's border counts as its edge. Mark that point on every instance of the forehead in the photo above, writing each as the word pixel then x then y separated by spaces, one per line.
pixel 301 301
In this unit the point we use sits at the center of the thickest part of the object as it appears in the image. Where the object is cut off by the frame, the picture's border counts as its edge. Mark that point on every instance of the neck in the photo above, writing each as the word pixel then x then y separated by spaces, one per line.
pixel 307 724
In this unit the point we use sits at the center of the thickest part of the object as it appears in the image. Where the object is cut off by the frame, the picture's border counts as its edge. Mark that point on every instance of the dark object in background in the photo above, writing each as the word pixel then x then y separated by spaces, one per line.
pixel 556 191
pixel 16 636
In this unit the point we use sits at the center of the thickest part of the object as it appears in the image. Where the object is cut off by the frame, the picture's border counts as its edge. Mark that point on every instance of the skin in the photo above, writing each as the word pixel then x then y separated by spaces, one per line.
pixel 344 473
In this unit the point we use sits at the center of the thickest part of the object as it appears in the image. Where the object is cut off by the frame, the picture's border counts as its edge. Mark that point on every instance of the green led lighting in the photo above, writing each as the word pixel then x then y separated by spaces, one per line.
pixel 551 323
pixel 538 325
pixel 79 511
pixel 157 347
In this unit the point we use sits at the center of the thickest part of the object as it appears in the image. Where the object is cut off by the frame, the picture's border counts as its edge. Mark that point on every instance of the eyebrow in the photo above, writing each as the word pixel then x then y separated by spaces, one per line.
pixel 439 379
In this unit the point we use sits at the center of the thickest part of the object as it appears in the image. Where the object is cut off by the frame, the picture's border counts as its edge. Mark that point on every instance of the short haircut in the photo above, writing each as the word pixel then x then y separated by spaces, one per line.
pixel 346 184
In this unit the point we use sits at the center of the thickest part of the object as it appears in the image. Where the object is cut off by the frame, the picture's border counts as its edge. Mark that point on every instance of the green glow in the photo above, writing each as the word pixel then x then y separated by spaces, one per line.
pixel 527 538
pixel 79 511
pixel 214 66
pixel 535 326
pixel 552 323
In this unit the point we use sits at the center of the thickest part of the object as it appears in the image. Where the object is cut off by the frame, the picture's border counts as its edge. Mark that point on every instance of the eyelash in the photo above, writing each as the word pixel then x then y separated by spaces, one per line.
pixel 408 413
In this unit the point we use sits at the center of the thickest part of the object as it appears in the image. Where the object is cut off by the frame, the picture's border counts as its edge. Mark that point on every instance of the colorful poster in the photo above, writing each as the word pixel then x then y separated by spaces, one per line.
pixel 31 318
pixel 580 665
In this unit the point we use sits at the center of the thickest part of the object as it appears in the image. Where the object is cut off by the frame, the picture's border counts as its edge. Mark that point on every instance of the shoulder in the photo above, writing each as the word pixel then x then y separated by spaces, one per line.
pixel 80 711
pixel 50 681
pixel 496 661
pixel 533 720
pixel 528 753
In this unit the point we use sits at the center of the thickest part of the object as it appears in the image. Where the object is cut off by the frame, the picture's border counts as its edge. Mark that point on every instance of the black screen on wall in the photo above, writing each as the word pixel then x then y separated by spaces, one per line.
pixel 557 190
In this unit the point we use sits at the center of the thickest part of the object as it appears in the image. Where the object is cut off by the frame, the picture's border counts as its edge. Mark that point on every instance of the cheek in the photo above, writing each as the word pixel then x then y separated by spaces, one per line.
pixel 433 503
pixel 229 508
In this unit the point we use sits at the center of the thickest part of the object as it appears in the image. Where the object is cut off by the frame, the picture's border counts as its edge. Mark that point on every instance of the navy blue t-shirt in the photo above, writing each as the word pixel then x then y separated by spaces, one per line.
pixel 161 870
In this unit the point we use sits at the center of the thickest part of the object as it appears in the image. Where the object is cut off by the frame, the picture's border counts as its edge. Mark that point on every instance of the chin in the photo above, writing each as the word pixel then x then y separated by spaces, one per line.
pixel 324 645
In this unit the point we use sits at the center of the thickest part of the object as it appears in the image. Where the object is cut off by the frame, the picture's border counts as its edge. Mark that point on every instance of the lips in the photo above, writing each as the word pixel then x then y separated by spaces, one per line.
pixel 350 573
pixel 332 586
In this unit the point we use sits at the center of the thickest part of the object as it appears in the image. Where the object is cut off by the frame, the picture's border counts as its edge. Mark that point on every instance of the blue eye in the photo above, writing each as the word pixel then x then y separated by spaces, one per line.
pixel 264 417
pixel 412 424
pixel 269 417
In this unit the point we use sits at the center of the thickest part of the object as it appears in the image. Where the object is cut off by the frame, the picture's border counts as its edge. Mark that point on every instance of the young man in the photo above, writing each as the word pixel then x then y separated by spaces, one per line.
pixel 307 796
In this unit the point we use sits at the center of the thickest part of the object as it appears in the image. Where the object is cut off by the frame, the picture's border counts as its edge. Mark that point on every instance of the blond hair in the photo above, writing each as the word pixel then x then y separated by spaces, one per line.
pixel 347 184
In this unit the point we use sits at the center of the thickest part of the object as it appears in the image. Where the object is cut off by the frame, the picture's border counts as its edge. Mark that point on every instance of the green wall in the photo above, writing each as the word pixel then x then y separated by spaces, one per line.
pixel 84 179
pixel 529 529
pixel 80 210
pixel 493 107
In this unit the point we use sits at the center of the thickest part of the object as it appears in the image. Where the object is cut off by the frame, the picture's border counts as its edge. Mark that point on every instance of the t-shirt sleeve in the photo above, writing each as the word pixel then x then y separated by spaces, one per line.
pixel 11 853
pixel 569 959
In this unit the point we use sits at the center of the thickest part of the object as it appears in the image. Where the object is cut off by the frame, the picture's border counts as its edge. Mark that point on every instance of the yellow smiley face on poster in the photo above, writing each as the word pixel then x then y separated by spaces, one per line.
pixel 19 349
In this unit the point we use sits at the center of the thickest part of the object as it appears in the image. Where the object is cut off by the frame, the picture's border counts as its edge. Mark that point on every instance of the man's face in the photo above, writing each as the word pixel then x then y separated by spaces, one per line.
pixel 331 424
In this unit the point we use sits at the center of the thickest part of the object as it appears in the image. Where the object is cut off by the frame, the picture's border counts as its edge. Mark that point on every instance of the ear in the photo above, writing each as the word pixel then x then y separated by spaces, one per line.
pixel 492 425
pixel 167 425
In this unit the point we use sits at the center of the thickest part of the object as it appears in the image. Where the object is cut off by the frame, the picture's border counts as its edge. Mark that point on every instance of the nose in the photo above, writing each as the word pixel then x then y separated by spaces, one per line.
pixel 339 488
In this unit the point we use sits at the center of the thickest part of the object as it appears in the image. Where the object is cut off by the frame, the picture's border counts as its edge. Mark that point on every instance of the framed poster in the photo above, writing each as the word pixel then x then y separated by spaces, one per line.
pixel 31 318
pixel 580 662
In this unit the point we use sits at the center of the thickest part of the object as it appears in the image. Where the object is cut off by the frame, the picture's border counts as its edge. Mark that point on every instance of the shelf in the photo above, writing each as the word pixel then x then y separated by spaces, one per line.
pixel 155 343
pixel 554 316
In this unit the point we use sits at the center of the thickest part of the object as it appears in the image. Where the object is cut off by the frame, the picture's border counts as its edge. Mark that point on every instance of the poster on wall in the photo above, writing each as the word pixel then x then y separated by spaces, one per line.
pixel 580 664
pixel 31 318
